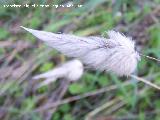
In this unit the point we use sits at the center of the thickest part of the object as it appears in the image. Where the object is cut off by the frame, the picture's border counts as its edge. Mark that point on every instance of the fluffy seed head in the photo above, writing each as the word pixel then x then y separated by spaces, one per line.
pixel 71 70
pixel 124 57
pixel 116 54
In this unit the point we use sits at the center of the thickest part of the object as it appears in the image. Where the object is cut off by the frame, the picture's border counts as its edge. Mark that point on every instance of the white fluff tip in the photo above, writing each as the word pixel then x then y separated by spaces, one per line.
pixel 71 70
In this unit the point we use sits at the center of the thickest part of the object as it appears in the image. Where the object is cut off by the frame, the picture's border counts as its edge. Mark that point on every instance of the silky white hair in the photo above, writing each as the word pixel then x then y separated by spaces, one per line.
pixel 71 71
pixel 116 54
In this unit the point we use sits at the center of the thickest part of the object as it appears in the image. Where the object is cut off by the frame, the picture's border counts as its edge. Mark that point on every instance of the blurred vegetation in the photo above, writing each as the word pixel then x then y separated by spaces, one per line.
pixel 22 56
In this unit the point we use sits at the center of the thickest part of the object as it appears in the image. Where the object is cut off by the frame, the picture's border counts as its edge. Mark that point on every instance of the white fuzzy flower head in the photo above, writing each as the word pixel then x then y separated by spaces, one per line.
pixel 71 70
pixel 116 54
pixel 124 57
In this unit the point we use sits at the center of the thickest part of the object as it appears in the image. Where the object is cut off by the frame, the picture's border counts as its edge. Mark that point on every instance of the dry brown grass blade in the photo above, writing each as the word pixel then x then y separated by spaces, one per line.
pixel 78 97
pixel 56 96
pixel 151 58
pixel 145 81
pixel 104 106
pixel 5 44
pixel 102 90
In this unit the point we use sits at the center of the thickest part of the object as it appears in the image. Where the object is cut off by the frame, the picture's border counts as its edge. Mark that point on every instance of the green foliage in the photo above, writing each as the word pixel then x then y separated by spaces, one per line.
pixel 35 22
pixel 157 80
pixel 119 84
pixel 47 66
pixel 64 108
pixel 28 104
pixel 157 104
pixel 129 16
pixel 141 65
pixel 54 27
pixel 103 81
pixel 68 117
pixel 142 116
pixel 31 38
pixel 56 116
pixel 157 1
pixel 76 88
pixel 155 36
pixel 3 33
pixel 147 8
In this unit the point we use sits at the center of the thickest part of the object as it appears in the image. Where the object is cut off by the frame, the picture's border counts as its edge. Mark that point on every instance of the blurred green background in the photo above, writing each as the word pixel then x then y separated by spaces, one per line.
pixel 22 56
